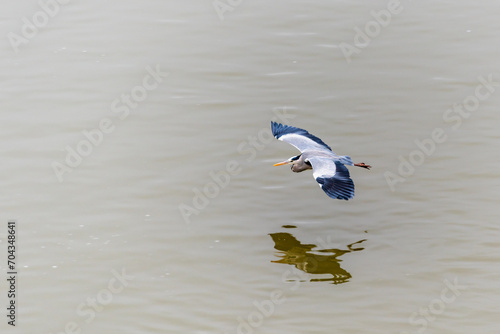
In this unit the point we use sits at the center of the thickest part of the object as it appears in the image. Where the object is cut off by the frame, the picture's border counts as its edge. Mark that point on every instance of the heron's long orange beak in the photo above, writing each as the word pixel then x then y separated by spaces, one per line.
pixel 282 163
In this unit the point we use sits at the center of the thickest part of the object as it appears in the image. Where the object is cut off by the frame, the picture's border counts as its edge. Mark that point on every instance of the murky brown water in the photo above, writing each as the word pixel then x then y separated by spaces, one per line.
pixel 137 161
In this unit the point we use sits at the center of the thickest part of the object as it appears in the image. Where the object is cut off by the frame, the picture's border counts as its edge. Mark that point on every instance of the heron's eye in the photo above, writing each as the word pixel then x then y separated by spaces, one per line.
pixel 296 158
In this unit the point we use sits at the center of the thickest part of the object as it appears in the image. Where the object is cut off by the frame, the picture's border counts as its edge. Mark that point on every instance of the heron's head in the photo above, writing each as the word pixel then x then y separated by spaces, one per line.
pixel 290 161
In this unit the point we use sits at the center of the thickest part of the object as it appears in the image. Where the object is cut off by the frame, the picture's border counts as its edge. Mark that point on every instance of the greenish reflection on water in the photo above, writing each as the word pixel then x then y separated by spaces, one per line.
pixel 305 257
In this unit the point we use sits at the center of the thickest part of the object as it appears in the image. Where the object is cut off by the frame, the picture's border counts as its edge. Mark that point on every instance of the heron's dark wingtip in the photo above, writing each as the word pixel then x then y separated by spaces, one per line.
pixel 337 188
pixel 279 130
pixel 275 129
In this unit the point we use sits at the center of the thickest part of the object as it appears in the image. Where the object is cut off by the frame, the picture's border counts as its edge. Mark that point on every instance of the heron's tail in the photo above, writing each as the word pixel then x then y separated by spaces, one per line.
pixel 346 160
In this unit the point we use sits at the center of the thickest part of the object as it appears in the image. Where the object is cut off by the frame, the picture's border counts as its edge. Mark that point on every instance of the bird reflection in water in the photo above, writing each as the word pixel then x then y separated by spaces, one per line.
pixel 302 256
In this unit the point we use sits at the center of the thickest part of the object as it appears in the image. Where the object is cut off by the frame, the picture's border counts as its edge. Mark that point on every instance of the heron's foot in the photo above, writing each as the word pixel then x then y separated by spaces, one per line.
pixel 362 164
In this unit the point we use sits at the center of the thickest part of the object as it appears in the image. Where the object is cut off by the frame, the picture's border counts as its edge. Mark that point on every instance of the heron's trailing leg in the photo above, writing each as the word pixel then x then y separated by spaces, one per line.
pixel 362 164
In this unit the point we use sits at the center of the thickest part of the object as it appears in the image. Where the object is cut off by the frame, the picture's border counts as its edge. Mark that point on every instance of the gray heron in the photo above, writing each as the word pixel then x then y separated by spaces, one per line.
pixel 328 168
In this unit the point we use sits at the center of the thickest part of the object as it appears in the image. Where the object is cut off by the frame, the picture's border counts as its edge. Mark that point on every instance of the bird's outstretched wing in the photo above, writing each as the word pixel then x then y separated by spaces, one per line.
pixel 299 138
pixel 333 177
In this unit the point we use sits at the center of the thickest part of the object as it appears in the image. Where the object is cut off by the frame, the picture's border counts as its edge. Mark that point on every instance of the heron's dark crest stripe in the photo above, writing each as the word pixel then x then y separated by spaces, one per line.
pixel 281 130
pixel 339 186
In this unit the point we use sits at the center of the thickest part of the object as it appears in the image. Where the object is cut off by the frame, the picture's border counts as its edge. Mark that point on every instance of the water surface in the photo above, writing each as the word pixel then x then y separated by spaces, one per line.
pixel 418 257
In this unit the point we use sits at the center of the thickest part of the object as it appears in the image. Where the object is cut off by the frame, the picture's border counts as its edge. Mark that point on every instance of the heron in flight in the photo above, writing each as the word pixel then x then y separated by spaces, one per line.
pixel 328 168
